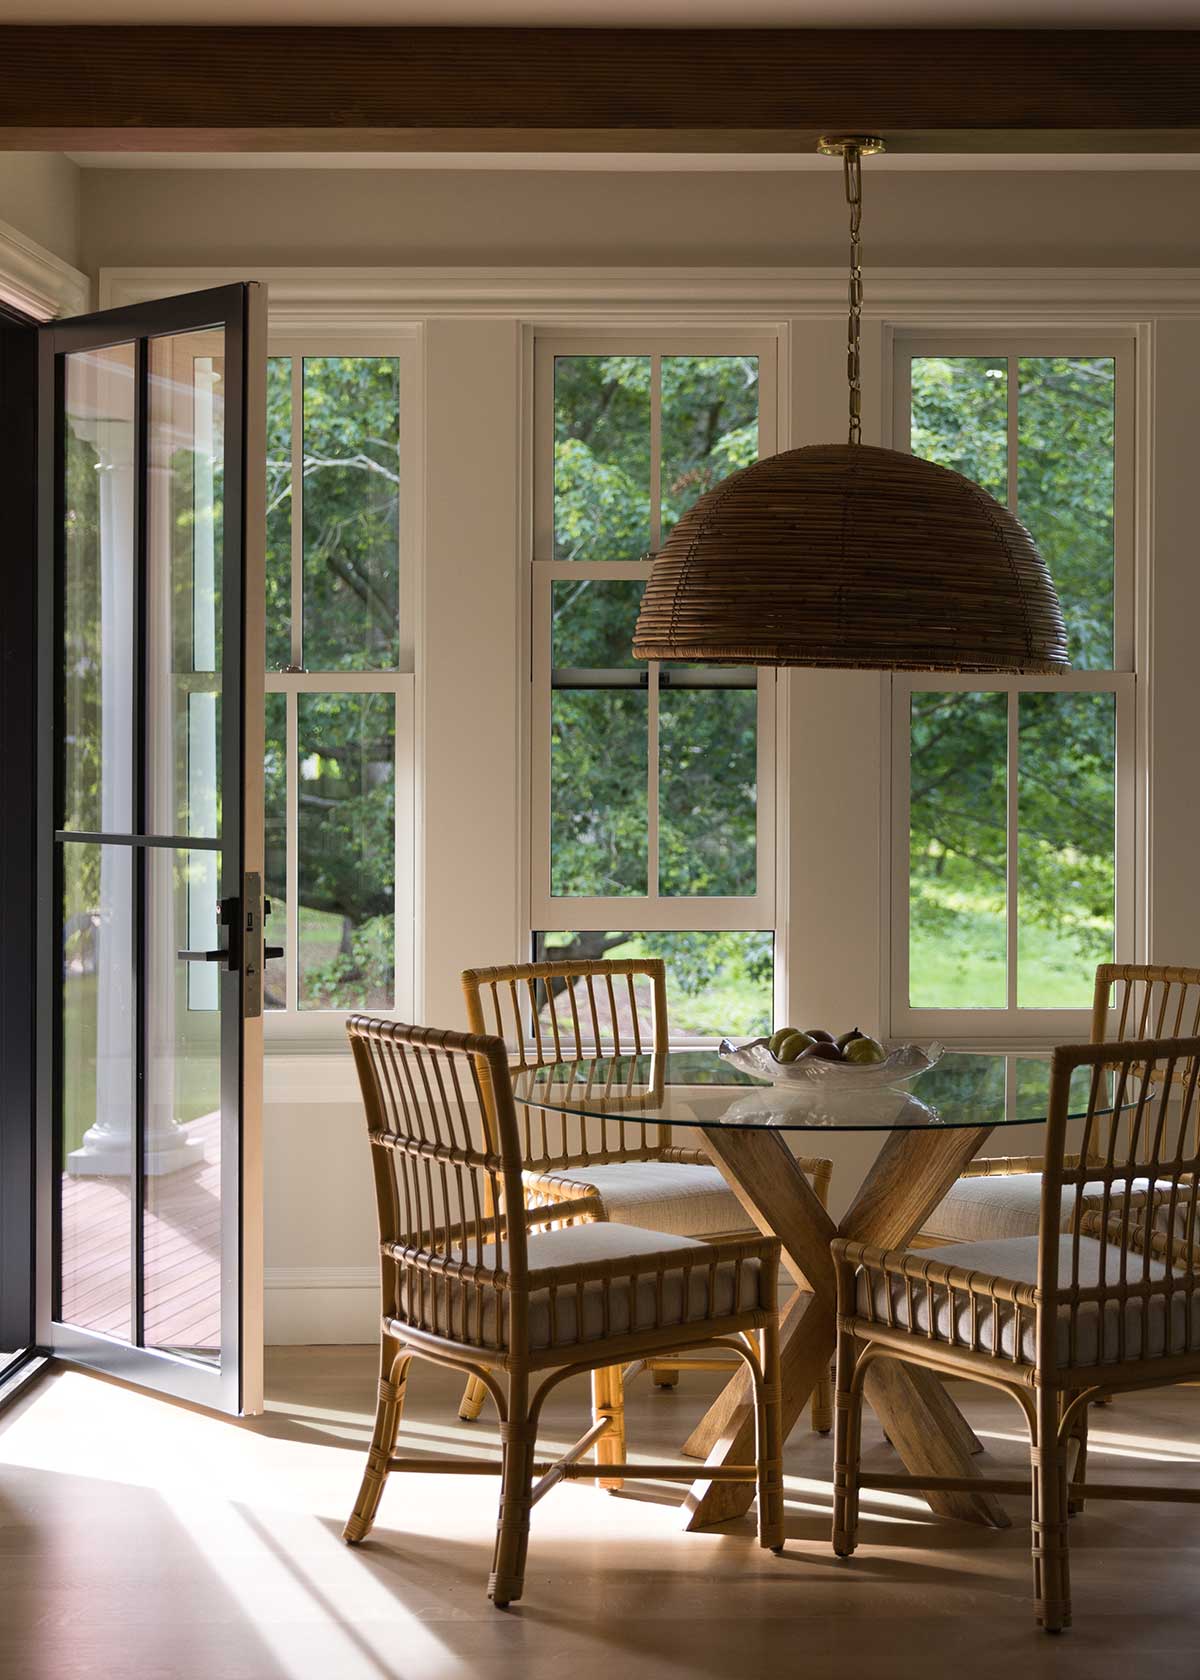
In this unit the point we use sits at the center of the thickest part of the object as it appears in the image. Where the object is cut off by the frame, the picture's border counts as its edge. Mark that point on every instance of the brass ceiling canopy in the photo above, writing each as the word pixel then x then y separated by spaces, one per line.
pixel 847 555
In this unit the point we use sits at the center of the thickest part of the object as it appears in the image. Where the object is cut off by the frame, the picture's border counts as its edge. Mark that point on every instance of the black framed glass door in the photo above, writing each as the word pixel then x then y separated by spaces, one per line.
pixel 150 842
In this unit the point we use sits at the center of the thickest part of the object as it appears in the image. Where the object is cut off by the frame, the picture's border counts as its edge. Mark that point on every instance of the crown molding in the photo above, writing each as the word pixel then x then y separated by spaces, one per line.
pixel 37 282
pixel 321 299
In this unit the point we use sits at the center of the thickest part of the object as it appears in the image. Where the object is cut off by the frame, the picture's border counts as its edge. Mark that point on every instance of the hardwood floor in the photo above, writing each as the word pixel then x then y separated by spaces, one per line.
pixel 153 1541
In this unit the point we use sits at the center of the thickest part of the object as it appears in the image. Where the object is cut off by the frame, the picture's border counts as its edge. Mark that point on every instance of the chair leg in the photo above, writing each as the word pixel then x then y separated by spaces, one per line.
pixel 608 1401
pixel 1051 1560
pixel 664 1376
pixel 393 1379
pixel 1077 1451
pixel 471 1404
pixel 769 1440
pixel 847 1447
pixel 516 1481
pixel 821 1409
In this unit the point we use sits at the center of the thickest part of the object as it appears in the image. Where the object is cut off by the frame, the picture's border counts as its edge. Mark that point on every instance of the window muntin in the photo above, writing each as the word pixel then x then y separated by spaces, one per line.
pixel 1013 805
pixel 652 785
pixel 339 702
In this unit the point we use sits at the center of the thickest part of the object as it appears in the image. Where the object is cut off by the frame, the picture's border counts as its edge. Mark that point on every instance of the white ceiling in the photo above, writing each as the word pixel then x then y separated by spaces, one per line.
pixel 900 14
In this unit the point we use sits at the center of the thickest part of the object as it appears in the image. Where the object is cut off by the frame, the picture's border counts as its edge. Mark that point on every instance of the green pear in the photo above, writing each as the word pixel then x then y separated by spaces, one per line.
pixel 796 1044
pixel 777 1038
pixel 848 1038
pixel 865 1051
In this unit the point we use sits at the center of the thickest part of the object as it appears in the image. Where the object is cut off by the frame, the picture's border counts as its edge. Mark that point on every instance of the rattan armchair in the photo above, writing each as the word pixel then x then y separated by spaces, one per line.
pixel 472 1279
pixel 1000 1196
pixel 1058 1320
pixel 552 1012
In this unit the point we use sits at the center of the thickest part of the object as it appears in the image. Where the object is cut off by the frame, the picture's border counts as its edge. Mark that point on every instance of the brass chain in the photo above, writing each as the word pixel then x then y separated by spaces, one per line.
pixel 852 171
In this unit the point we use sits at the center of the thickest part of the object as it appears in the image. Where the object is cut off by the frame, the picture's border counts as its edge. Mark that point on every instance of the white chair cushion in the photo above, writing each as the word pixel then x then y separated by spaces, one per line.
pixel 686 1200
pixel 1146 1330
pixel 693 1289
pixel 1004 1205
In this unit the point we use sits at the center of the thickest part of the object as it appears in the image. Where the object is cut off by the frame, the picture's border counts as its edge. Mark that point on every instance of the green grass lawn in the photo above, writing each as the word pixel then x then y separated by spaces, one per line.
pixel 958 962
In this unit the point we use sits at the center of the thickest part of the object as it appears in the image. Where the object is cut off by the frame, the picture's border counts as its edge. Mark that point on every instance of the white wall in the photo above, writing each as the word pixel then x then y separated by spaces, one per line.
pixel 320 1245
pixel 524 218
pixel 40 196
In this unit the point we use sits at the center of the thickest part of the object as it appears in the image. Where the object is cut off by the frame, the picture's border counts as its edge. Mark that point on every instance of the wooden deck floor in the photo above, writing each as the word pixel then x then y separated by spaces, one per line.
pixel 182 1251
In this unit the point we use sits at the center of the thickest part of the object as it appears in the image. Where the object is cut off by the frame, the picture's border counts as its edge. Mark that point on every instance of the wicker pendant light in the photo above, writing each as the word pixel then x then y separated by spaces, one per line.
pixel 846 555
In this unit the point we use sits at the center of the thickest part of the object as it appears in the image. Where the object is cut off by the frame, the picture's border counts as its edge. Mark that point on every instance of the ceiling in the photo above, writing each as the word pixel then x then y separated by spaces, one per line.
pixel 694 14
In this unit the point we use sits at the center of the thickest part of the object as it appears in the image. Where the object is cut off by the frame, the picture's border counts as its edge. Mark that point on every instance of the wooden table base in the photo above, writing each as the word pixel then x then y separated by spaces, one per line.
pixel 912 1172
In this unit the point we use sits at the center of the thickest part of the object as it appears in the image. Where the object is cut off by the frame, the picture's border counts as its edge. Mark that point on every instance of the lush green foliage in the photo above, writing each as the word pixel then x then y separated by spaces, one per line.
pixel 1066 742
pixel 707 743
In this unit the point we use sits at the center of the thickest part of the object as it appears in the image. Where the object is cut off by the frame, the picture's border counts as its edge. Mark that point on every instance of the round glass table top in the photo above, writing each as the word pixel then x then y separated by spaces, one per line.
pixel 699 1088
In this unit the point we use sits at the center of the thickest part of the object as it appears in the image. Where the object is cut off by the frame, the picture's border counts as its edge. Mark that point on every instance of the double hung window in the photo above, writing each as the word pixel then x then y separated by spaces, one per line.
pixel 1013 797
pixel 339 682
pixel 652 786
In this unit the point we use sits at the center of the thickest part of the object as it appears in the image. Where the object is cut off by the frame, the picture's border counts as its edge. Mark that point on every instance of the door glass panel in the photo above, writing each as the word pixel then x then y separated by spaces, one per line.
pixel 351 513
pixel 96 1115
pixel 275 772
pixel 347 850
pixel 182 1156
pixel 186 449
pixel 958 849
pixel 98 600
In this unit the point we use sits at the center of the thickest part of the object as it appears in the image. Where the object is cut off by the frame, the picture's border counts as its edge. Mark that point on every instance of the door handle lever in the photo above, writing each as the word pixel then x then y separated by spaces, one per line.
pixel 202 956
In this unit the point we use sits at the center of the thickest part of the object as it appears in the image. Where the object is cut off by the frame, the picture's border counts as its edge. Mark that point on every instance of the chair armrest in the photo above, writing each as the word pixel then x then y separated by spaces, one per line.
pixel 580 1210
pixel 1004 1166
pixel 1164 1245
pixel 850 1256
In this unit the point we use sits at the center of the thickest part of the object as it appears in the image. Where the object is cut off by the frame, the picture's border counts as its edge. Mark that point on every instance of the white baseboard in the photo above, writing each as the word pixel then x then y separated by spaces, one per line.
pixel 321 1304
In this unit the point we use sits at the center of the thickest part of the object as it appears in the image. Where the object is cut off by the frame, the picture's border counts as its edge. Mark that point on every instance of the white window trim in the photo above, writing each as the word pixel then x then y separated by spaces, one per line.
pixel 1013 1025
pixel 653 912
pixel 324 1028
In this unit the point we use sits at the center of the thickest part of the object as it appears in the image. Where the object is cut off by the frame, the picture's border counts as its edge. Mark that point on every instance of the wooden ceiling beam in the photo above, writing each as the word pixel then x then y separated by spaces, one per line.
pixel 561 90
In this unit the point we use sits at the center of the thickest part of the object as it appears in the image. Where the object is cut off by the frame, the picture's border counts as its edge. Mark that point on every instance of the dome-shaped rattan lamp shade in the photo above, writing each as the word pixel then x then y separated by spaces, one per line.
pixel 845 555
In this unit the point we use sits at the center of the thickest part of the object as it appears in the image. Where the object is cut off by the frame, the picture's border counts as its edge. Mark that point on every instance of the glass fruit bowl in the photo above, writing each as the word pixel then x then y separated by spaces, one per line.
pixel 754 1057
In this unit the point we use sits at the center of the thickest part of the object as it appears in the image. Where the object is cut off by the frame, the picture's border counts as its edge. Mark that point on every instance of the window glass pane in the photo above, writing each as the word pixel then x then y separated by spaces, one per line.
pixel 592 622
pixel 598 742
pixel 1066 795
pixel 351 513
pixel 96 1115
pixel 98 611
pixel 707 790
pixel 1066 428
pixel 275 877
pixel 601 457
pixel 279 512
pixel 709 426
pixel 347 850
pixel 717 983
pixel 957 851
pixel 960 417
pixel 185 565
pixel 598 769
